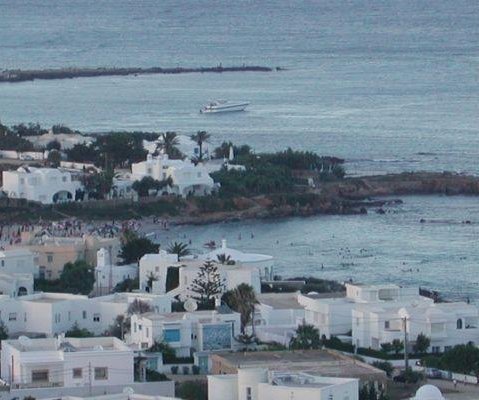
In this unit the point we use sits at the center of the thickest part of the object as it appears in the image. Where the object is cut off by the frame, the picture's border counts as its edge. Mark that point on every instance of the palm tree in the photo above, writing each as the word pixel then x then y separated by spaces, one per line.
pixel 307 337
pixel 200 137
pixel 179 248
pixel 170 141
pixel 223 259
pixel 242 299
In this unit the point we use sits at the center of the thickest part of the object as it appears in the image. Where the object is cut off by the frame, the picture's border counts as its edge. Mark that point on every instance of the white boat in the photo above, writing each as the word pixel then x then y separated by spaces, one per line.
pixel 221 106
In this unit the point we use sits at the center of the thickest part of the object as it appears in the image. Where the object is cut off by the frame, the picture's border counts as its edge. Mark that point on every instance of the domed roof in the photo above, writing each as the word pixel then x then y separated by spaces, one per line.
pixel 428 392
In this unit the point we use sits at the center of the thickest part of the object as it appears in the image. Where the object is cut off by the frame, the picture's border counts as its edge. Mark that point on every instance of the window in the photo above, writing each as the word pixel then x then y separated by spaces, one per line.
pixel 171 335
pixel 69 315
pixel 64 178
pixel 140 327
pixel 101 373
pixel 147 332
pixel 386 324
pixel 134 327
pixel 459 323
pixel 12 316
pixel 436 349
pixel 249 395
pixel 96 317
pixel 40 375
pixel 84 314
pixel 22 181
pixel 3 263
pixel 447 348
pixel 49 258
pixel 77 373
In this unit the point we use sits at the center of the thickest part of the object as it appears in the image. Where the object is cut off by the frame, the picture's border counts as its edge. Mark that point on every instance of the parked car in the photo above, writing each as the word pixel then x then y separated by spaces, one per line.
pixel 433 373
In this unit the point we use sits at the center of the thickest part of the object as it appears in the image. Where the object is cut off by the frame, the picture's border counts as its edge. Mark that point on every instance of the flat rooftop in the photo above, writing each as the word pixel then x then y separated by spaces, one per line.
pixel 280 300
pixel 314 362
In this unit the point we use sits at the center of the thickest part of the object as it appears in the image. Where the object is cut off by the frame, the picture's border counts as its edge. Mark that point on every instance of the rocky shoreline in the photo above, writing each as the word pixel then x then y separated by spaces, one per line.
pixel 13 76
pixel 357 195
pixel 350 196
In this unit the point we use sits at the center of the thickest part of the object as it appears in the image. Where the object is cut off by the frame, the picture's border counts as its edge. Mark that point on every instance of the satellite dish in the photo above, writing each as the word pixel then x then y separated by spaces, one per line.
pixel 25 341
pixel 128 390
pixel 190 305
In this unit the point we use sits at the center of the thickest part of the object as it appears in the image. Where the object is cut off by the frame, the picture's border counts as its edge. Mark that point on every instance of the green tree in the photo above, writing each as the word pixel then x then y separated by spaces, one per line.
pixel 165 349
pixel 134 247
pixel 386 366
pixel 82 153
pixel 147 183
pixel 77 277
pixel 307 337
pixel 78 332
pixel 422 343
pixel 223 259
pixel 139 307
pixel 127 285
pixel 179 248
pixel 54 145
pixel 3 331
pixel 119 149
pixel 242 299
pixel 54 158
pixel 200 138
pixel 387 347
pixel 120 326
pixel 208 284
pixel 397 346
pixel 463 358
pixel 192 390
pixel 170 142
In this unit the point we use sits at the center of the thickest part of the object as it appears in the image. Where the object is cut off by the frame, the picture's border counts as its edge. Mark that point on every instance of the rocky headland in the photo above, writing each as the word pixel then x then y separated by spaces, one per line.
pixel 69 73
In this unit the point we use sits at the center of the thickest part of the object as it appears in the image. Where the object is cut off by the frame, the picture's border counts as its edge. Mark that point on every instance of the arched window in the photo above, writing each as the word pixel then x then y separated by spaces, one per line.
pixel 22 291
pixel 459 323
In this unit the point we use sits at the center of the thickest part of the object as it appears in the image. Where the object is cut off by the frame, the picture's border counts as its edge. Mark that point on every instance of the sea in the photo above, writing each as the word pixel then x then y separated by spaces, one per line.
pixel 387 85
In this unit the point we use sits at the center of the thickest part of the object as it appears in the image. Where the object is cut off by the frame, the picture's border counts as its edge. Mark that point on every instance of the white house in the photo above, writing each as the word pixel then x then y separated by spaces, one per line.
pixel 277 316
pixel 107 275
pixel 445 324
pixel 16 285
pixel 263 262
pixel 155 268
pixel 187 178
pixel 66 362
pixel 45 185
pixel 260 384
pixel 187 332
pixel 51 314
pixel 377 314
pixel 128 393
pixel 18 261
pixel 155 265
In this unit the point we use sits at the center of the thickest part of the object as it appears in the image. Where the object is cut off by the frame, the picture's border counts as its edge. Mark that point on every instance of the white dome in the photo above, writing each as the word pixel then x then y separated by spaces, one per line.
pixel 428 392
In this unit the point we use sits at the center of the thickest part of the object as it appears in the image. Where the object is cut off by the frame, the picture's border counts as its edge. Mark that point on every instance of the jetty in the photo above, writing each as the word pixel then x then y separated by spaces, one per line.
pixel 70 73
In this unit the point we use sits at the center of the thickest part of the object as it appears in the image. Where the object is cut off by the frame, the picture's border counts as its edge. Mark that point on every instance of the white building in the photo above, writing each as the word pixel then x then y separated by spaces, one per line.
pixel 186 332
pixel 263 262
pixel 277 316
pixel 259 384
pixel 154 270
pixel 18 261
pixel 66 362
pixel 107 275
pixel 186 177
pixel 55 313
pixel 127 394
pixel 45 185
pixel 377 314
pixel 16 285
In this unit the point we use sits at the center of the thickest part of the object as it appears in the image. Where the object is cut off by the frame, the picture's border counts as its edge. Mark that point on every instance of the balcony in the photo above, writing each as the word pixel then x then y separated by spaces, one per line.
pixel 36 385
